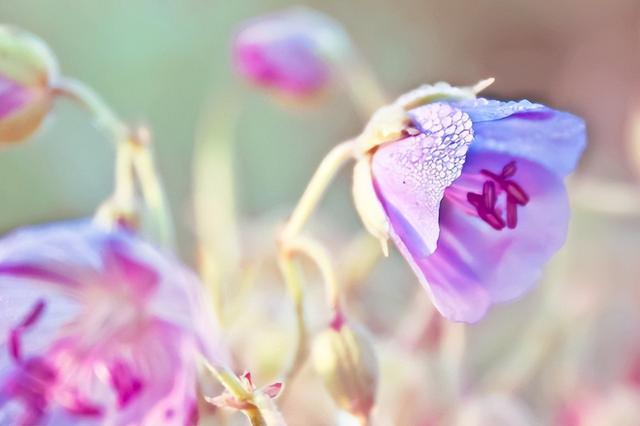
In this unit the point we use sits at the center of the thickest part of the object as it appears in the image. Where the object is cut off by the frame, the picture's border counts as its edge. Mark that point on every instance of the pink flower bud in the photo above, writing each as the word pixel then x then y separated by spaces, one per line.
pixel 27 69
pixel 290 51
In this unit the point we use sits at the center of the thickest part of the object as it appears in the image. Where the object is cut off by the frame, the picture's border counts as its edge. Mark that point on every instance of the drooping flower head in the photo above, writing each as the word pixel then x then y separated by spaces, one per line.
pixel 471 191
pixel 98 327
pixel 27 70
pixel 290 51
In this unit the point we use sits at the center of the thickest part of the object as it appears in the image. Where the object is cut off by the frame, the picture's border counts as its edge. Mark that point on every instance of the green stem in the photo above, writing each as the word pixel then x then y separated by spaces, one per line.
pixel 153 192
pixel 294 286
pixel 133 155
pixel 319 183
pixel 228 379
pixel 255 417
pixel 105 117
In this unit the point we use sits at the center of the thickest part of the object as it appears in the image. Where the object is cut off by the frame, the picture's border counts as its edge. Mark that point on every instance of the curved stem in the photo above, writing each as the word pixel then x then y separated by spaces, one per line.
pixel 152 190
pixel 294 286
pixel 317 253
pixel 321 179
pixel 133 156
pixel 105 117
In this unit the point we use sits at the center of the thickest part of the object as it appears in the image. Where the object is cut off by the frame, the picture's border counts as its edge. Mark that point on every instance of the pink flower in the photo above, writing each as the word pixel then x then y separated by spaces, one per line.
pixel 100 328
pixel 289 51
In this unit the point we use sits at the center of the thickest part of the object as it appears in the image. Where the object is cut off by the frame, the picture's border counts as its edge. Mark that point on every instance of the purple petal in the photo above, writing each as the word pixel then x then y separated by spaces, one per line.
pixel 475 265
pixel 552 138
pixel 411 175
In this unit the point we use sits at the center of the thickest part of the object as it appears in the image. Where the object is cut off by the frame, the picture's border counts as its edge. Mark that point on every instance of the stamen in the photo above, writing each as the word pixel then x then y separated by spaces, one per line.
pixel 485 203
pixel 489 195
pixel 493 219
pixel 512 213
pixel 14 345
pixel 516 192
pixel 124 383
pixel 15 334
pixel 509 170
pixel 34 314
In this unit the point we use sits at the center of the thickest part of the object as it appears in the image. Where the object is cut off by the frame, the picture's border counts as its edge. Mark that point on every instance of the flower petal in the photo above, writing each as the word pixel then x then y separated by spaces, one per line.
pixel 476 265
pixel 410 175
pixel 552 138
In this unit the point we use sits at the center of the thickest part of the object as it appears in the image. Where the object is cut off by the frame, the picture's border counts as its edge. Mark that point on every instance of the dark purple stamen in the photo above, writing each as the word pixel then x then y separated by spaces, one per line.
pixel 15 334
pixel 124 382
pixel 489 195
pixel 485 203
pixel 512 213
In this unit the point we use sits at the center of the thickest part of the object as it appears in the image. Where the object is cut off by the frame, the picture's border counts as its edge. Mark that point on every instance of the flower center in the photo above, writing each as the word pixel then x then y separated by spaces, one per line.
pixel 486 202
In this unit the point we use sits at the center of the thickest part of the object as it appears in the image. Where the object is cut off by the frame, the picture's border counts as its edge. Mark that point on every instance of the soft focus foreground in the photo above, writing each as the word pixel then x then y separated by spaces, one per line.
pixel 97 331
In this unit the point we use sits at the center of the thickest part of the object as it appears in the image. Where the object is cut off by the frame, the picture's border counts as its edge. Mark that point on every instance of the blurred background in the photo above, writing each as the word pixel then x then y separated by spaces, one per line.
pixel 573 341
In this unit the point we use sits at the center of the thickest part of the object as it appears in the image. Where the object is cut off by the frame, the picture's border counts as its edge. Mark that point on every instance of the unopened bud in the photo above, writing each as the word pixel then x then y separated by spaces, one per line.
pixel 345 359
pixel 27 69
pixel 291 51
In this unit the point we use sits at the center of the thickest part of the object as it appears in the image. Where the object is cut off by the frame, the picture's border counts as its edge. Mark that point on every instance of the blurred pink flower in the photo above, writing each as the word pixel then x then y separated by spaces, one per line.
pixel 99 328
pixel 289 51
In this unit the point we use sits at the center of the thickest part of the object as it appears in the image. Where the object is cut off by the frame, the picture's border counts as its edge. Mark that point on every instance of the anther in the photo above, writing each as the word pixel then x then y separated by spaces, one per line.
pixel 485 203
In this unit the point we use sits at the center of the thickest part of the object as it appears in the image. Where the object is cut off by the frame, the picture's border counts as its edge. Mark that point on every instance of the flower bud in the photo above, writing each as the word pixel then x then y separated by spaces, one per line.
pixel 344 358
pixel 27 68
pixel 291 51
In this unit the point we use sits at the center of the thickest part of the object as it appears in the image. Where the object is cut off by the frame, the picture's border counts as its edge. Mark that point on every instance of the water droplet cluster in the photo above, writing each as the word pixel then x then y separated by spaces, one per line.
pixel 433 156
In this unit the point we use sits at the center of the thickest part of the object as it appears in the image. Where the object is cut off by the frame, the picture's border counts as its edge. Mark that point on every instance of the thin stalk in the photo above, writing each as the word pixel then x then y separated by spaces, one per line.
pixel 319 183
pixel 153 193
pixel 132 156
pixel 294 286
pixel 319 255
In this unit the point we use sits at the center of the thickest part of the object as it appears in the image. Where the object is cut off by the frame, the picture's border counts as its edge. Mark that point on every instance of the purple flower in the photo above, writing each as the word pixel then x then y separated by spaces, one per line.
pixel 98 327
pixel 27 70
pixel 474 198
pixel 289 51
